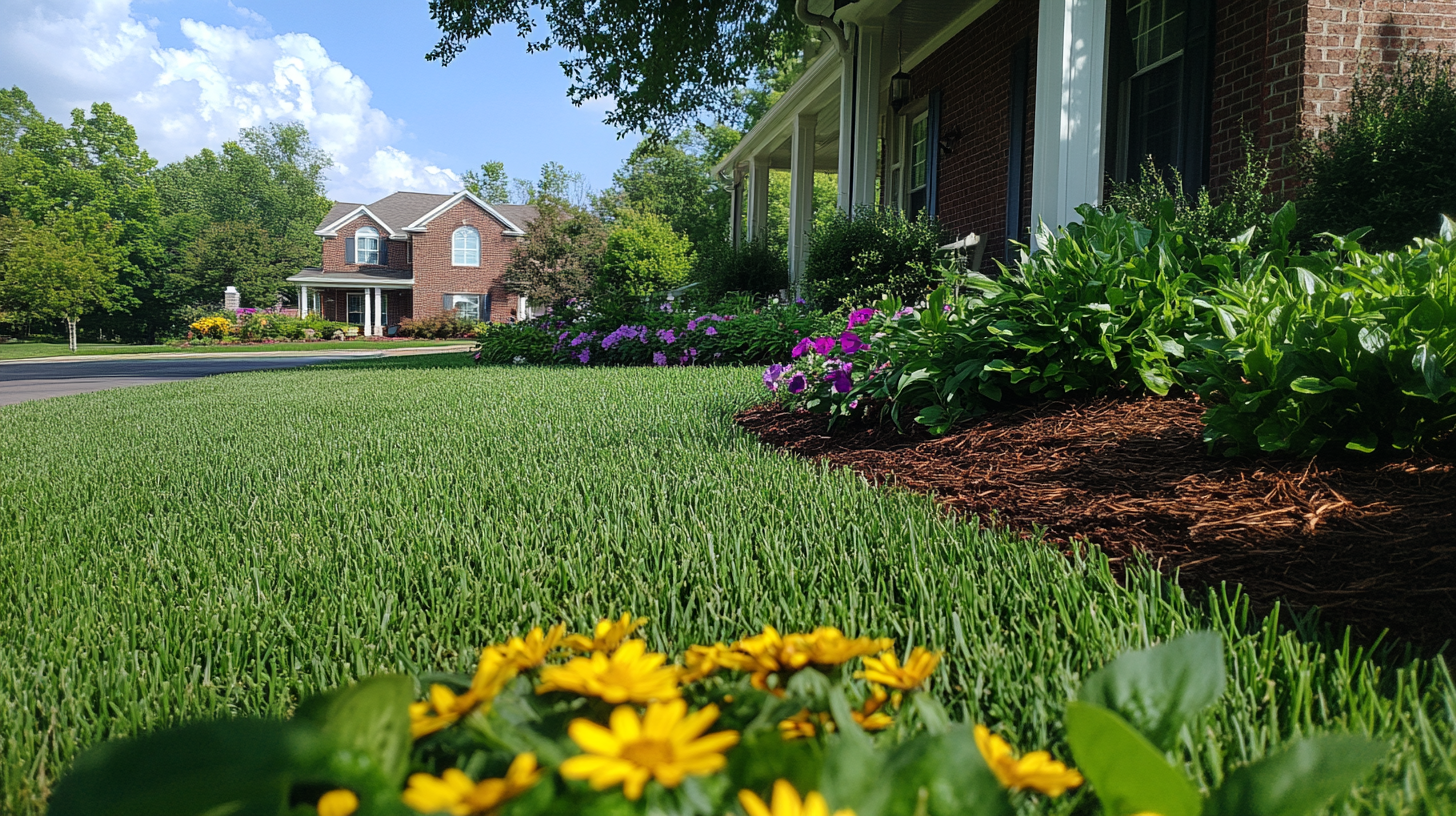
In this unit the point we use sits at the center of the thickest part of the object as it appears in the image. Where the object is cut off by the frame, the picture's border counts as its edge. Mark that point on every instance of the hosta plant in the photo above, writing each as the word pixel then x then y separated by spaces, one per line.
pixel 796 724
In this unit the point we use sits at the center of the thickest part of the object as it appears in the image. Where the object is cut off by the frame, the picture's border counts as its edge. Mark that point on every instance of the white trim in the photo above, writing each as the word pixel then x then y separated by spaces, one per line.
pixel 359 250
pixel 866 118
pixel 333 282
pixel 333 229
pixel 801 197
pixel 1071 66
pixel 467 229
pixel 779 121
pixel 420 223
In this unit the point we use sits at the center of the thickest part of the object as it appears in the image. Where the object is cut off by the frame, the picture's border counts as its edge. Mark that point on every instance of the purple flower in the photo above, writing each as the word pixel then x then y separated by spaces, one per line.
pixel 710 331
pixel 771 376
pixel 947 308
pixel 798 383
pixel 859 317
pixel 658 358
pixel 477 356
pixel 562 336
pixel 584 356
pixel 801 347
pixel 853 405
pixel 799 301
pixel 666 307
pixel 824 346
pixel 692 352
pixel 667 336
pixel 851 343
pixel 840 380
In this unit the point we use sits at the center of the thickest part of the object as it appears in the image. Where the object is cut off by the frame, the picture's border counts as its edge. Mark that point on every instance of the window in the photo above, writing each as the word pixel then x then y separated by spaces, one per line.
pixel 467 306
pixel 355 309
pixel 1161 67
pixel 409 251
pixel 919 163
pixel 366 246
pixel 466 247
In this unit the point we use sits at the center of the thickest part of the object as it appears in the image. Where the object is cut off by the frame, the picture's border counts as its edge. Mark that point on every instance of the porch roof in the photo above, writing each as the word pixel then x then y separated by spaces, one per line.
pixel 384 278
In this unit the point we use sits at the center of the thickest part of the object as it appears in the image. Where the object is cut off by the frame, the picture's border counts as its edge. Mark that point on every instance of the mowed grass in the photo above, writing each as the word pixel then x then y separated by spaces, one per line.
pixel 225 545
pixel 30 351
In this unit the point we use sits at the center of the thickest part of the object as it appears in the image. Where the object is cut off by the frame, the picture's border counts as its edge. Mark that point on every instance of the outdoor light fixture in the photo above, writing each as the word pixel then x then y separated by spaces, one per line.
pixel 899 90
pixel 949 140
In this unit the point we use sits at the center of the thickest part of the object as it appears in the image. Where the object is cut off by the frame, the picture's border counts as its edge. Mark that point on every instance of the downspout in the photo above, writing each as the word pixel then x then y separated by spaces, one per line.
pixel 809 18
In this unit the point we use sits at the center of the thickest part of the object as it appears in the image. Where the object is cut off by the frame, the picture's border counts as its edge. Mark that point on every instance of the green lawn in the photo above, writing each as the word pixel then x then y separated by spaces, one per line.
pixel 25 351
pixel 219 546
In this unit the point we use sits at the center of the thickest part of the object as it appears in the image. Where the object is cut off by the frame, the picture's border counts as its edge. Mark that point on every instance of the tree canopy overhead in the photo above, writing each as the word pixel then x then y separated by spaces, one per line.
pixel 664 62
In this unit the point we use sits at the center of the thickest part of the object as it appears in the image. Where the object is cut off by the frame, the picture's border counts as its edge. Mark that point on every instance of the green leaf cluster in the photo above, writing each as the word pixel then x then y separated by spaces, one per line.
pixel 643 256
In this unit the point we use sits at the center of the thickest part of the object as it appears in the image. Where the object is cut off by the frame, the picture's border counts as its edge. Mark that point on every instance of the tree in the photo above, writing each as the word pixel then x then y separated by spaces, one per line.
pixel 491 183
pixel 560 255
pixel 662 61
pixel 675 181
pixel 236 253
pixel 62 270
pixel 556 184
pixel 643 256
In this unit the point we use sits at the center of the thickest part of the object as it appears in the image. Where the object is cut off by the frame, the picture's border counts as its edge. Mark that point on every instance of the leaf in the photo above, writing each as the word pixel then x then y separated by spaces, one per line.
pixel 1128 773
pixel 853 776
pixel 950 769
pixel 1310 385
pixel 1155 381
pixel 1427 316
pixel 1428 362
pixel 1160 689
pixel 240 767
pixel 1309 281
pixel 372 717
pixel 1374 340
pixel 1448 228
pixel 1283 222
pixel 1299 779
pixel 1364 443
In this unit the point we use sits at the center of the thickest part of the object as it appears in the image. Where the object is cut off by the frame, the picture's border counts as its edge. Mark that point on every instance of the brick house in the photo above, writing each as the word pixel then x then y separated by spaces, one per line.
pixel 414 255
pixel 994 115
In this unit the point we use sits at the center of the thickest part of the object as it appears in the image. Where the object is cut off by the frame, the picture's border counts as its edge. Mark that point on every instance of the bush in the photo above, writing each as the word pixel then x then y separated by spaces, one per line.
pixel 879 252
pixel 1388 164
pixel 1343 348
pixel 1242 205
pixel 215 327
pixel 774 718
pixel 439 327
pixel 753 269
pixel 643 257
pixel 1104 305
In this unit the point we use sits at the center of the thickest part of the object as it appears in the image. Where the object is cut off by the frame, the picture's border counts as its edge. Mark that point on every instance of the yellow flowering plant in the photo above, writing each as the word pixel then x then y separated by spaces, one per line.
pixel 815 723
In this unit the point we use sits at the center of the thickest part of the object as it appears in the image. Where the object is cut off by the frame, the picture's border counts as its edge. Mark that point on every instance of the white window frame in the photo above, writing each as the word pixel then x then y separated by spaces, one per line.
pixel 473 300
pixel 461 251
pixel 910 185
pixel 362 235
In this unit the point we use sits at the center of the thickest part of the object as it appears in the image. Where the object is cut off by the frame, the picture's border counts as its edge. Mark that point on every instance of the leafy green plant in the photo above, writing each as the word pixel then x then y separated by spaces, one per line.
pixel 878 252
pixel 1243 202
pixel 719 268
pixel 1341 348
pixel 439 327
pixel 643 256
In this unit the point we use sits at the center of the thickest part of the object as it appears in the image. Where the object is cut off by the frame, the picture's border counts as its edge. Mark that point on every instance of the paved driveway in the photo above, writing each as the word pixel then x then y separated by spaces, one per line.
pixel 22 381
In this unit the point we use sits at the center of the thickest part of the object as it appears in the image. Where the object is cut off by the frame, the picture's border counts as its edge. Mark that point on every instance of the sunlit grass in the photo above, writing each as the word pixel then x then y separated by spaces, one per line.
pixel 221 546
pixel 27 350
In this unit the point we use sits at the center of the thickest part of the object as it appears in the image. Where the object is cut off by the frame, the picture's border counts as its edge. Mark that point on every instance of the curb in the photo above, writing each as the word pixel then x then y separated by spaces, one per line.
pixel 370 354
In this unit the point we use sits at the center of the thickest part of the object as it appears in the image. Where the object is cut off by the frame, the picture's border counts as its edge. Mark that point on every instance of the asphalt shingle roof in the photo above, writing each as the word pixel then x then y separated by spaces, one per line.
pixel 399 210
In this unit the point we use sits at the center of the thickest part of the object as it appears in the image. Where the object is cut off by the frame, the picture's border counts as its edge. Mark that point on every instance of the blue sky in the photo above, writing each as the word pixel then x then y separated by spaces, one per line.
pixel 189 73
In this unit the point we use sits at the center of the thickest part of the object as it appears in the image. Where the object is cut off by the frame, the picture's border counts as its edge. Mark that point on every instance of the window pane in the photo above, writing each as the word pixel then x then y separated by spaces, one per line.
pixel 356 309
pixel 467 305
pixel 1157 29
pixel 465 247
pixel 919 153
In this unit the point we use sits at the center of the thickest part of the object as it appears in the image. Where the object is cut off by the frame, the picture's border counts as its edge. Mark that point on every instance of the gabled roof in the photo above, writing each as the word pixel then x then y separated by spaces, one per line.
pixel 403 212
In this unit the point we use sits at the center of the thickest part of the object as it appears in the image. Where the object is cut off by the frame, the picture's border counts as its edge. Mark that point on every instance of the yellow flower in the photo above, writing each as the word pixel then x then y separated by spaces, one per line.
pixel 870 718
pixel 786 802
pixel 530 651
pixel 444 707
pixel 339 802
pixel 456 794
pixel 887 670
pixel 630 674
pixel 1036 770
pixel 801 726
pixel 770 653
pixel 702 661
pixel 608 635
pixel 666 744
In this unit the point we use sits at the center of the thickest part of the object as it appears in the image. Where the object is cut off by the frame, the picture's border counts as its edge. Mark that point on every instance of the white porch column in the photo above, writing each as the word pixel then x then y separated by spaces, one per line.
pixel 735 229
pixel 801 196
pixel 866 117
pixel 1070 78
pixel 368 328
pixel 302 301
pixel 845 176
pixel 757 198
pixel 378 311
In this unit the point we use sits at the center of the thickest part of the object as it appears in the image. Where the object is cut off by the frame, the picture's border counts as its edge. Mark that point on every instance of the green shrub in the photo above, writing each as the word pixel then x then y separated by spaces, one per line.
pixel 1388 163
pixel 271 326
pixel 856 261
pixel 754 269
pixel 644 256
pixel 1342 348
pixel 438 327
pixel 1242 204
pixel 501 343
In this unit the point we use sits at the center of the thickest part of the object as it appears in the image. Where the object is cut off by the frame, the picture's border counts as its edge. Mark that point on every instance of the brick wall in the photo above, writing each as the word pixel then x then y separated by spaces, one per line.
pixel 333 249
pixel 973 72
pixel 435 276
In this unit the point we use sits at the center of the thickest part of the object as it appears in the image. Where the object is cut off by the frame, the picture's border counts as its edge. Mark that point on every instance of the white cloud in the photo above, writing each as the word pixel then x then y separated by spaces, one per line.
pixel 69 53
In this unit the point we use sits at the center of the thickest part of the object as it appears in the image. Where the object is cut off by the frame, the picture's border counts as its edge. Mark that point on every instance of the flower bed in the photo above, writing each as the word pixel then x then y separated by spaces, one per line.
pixel 787 725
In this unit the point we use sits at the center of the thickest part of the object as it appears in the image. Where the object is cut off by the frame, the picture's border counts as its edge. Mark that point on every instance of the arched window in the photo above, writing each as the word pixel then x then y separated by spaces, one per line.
pixel 366 246
pixel 466 246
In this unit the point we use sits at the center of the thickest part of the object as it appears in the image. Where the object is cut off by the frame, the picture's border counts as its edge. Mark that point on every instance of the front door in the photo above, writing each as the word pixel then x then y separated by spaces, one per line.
pixel 356 308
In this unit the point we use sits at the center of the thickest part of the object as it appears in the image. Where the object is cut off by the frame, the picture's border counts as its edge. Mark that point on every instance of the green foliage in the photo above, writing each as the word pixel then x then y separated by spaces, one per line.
pixel 643 256
pixel 753 269
pixel 1243 201
pixel 514 343
pixel 560 255
pixel 61 270
pixel 673 179
pixel 241 254
pixel 372 540
pixel 877 253
pixel 1340 348
pixel 1387 163
pixel 439 327
pixel 490 183
pixel 271 326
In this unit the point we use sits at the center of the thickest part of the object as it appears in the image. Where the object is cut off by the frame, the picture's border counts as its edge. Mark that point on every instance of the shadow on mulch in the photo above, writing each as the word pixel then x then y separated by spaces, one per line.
pixel 1370 542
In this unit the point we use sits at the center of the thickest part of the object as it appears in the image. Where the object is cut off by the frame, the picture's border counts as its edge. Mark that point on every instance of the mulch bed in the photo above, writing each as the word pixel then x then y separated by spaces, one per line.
pixel 1372 542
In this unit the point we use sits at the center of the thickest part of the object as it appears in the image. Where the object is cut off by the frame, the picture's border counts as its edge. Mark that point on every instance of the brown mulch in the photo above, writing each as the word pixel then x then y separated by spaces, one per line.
pixel 1371 542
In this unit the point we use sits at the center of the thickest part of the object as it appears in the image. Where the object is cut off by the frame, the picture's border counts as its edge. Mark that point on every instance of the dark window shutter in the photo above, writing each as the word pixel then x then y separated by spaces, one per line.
pixel 932 159
pixel 349 250
pixel 1020 69
pixel 384 252
pixel 485 307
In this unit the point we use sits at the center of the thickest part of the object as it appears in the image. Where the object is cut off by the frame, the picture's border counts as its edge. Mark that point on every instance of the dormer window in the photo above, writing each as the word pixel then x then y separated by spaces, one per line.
pixel 366 246
pixel 466 247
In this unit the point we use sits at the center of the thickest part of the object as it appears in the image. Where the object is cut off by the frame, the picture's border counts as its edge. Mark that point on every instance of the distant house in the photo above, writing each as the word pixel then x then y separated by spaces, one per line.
pixel 414 255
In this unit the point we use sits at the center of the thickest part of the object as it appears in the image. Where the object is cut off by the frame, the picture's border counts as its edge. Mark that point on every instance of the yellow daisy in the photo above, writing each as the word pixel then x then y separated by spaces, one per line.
pixel 702 661
pixel 455 793
pixel 770 653
pixel 870 718
pixel 444 707
pixel 530 651
pixel 1036 770
pixel 667 744
pixel 887 670
pixel 339 802
pixel 786 802
pixel 630 674
pixel 608 634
